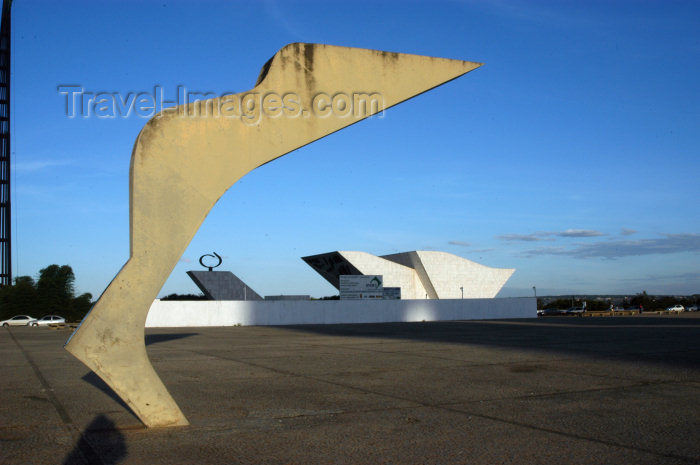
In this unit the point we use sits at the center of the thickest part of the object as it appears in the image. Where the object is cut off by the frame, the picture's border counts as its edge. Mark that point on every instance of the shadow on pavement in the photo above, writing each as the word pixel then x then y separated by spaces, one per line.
pixel 156 338
pixel 97 382
pixel 669 341
pixel 99 444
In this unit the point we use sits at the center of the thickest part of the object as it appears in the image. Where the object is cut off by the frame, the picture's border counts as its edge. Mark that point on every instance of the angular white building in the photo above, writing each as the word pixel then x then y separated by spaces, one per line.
pixel 419 274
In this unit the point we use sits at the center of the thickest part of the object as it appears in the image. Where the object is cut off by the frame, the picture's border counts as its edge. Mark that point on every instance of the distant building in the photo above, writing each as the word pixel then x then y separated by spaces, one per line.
pixel 419 274
pixel 287 297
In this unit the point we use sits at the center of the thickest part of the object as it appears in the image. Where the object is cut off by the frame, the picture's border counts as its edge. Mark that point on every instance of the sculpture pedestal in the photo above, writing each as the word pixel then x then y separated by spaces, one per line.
pixel 222 285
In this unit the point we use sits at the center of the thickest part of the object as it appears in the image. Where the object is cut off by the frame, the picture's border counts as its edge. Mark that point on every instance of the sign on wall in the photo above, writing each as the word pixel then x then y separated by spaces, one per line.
pixel 392 293
pixel 361 286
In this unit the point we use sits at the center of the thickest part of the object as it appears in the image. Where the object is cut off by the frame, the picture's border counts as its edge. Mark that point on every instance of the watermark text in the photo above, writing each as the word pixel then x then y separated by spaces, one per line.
pixel 249 107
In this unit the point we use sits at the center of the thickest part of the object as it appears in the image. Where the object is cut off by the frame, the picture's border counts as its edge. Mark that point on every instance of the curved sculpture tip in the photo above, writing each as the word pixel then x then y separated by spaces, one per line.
pixel 186 158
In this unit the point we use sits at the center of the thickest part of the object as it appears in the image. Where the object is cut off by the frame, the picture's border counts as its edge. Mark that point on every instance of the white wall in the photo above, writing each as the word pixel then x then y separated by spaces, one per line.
pixel 175 313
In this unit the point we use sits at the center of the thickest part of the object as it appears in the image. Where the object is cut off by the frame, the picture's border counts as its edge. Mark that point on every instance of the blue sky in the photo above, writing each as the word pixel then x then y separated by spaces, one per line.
pixel 572 155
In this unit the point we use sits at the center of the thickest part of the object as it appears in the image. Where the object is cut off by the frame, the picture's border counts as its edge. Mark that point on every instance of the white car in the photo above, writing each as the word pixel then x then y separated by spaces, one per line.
pixel 48 320
pixel 676 308
pixel 18 320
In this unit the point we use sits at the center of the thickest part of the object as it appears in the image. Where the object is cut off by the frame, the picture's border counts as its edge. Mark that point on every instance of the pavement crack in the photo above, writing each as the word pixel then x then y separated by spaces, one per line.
pixel 72 431
pixel 546 395
pixel 44 383
pixel 452 409
pixel 571 436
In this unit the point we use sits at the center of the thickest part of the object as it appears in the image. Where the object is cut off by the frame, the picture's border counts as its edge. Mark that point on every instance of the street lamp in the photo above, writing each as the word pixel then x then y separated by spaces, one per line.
pixel 534 288
pixel 461 288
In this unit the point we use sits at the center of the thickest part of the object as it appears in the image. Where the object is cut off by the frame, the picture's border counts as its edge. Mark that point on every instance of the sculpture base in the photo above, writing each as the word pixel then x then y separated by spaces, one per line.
pixel 222 285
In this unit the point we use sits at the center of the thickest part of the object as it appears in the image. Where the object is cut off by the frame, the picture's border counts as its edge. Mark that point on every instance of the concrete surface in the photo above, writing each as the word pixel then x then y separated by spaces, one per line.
pixel 183 313
pixel 557 390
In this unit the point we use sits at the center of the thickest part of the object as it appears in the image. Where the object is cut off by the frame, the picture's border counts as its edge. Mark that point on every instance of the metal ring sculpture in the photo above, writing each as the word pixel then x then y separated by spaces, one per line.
pixel 211 268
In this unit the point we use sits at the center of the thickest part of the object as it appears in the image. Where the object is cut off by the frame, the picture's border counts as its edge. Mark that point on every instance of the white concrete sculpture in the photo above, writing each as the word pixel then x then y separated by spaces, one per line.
pixel 419 274
pixel 186 158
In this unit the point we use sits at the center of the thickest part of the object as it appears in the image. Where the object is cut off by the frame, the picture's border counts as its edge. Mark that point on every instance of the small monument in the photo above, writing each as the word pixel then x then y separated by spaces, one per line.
pixel 221 285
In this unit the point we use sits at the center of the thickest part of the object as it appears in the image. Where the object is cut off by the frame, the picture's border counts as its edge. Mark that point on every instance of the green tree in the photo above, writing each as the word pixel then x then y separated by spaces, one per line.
pixel 184 297
pixel 25 296
pixel 643 300
pixel 81 305
pixel 597 306
pixel 52 294
pixel 562 303
pixel 55 289
pixel 21 298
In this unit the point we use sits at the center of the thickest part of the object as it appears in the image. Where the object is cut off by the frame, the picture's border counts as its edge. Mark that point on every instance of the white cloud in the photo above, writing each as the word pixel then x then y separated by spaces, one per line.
pixel 39 165
pixel 670 243
pixel 579 233
pixel 534 237
pixel 482 250
pixel 547 235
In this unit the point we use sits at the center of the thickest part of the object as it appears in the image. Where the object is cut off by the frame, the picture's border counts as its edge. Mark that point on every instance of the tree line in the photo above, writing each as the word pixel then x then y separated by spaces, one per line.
pixel 642 299
pixel 53 293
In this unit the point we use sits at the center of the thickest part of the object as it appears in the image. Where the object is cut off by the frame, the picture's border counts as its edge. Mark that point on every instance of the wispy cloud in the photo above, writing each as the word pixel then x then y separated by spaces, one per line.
pixel 543 13
pixel 283 18
pixel 482 250
pixel 546 251
pixel 675 283
pixel 469 244
pixel 534 237
pixel 579 233
pixel 670 243
pixel 547 235
pixel 627 231
pixel 693 276
pixel 690 276
pixel 39 165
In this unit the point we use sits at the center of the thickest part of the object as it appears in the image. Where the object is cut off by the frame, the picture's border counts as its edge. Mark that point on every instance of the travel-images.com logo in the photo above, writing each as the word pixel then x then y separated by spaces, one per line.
pixel 249 107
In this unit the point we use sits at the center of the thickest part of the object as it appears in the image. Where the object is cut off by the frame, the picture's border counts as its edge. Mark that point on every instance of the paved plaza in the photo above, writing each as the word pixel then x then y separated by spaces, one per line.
pixel 623 390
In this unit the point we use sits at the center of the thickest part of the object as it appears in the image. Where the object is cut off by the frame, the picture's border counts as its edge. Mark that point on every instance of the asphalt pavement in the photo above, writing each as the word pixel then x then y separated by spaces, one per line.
pixel 555 390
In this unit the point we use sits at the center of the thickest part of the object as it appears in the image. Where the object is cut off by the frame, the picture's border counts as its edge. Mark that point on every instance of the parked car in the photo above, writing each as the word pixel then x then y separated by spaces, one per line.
pixel 575 310
pixel 18 320
pixel 550 312
pixel 48 320
pixel 676 308
pixel 693 308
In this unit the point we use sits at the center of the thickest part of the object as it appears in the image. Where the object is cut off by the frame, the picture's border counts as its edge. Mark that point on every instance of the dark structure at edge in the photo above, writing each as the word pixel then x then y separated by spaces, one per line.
pixel 5 204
